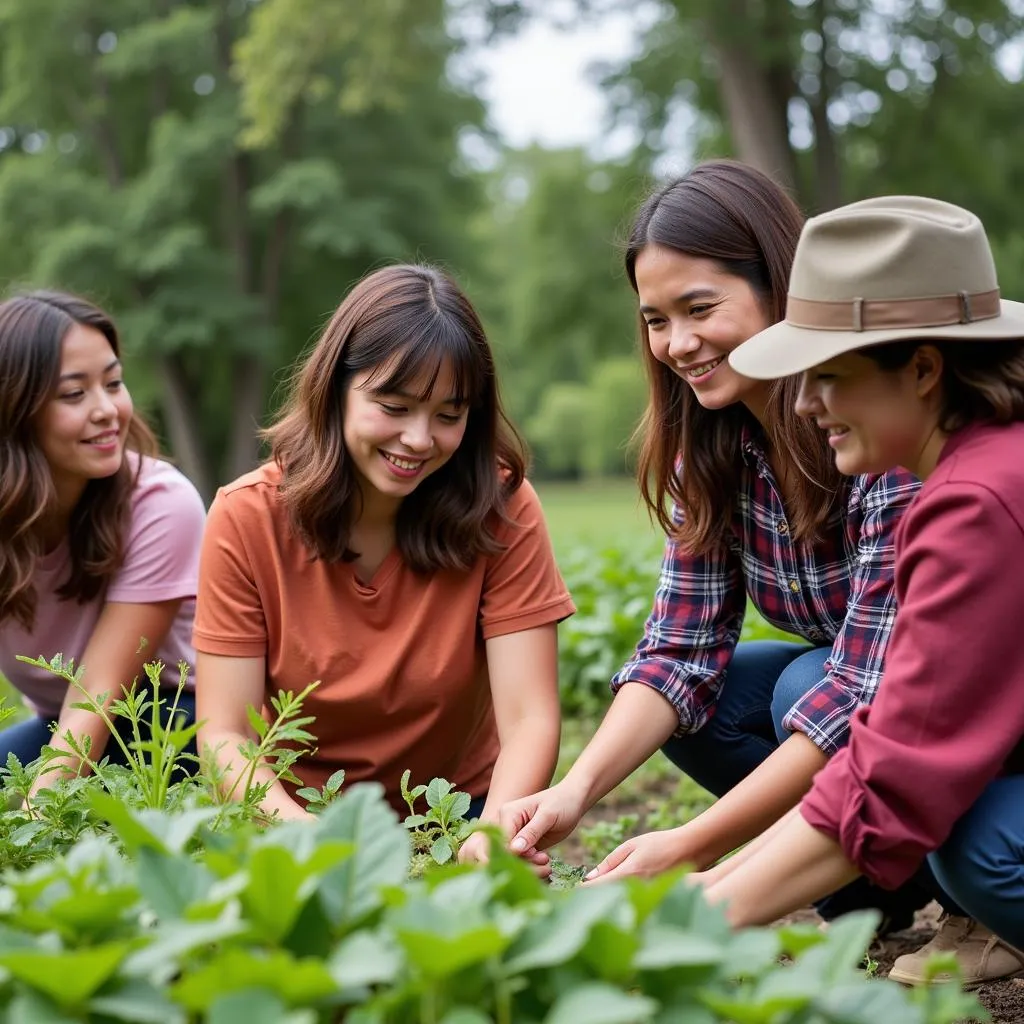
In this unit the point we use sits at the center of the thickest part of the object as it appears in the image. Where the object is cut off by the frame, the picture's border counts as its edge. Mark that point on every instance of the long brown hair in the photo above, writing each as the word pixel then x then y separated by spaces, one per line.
pixel 32 331
pixel 408 321
pixel 982 381
pixel 735 215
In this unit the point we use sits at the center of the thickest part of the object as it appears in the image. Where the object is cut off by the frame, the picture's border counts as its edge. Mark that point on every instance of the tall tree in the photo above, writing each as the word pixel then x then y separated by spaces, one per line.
pixel 791 85
pixel 217 172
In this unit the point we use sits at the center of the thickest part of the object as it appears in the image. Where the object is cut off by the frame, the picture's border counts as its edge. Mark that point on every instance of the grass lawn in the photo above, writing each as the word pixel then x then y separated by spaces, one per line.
pixel 601 513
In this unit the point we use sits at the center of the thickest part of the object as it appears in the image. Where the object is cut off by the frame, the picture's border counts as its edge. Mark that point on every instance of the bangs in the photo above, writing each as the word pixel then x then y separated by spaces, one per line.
pixel 415 364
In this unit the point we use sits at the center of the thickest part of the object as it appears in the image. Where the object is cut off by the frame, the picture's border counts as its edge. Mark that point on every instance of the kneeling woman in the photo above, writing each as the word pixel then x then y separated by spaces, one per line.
pixel 910 358
pixel 392 550
pixel 99 539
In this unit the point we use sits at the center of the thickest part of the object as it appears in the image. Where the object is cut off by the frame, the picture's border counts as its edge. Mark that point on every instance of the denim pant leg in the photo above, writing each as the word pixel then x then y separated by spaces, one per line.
pixel 982 861
pixel 740 734
pixel 25 739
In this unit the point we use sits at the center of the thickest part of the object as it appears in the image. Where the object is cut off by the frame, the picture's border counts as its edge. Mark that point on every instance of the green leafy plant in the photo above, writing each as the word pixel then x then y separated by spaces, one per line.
pixel 437 835
pixel 317 800
pixel 162 920
pixel 150 761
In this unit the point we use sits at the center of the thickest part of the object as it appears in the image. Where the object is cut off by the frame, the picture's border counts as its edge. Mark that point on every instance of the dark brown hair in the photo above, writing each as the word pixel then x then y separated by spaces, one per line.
pixel 419 315
pixel 733 214
pixel 32 330
pixel 981 380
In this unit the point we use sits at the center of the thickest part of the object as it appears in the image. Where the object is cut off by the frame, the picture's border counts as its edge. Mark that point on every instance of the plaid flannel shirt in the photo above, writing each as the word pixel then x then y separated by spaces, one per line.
pixel 836 591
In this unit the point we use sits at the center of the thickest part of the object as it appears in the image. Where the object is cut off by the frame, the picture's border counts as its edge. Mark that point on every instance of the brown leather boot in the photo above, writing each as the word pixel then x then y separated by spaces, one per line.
pixel 982 956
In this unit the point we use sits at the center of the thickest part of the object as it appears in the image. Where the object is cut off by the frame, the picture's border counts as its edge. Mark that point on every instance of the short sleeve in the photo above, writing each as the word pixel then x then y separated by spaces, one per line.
pixel 161 560
pixel 523 588
pixel 230 619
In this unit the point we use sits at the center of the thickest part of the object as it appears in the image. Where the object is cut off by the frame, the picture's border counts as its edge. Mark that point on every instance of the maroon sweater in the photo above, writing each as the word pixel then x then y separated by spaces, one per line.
pixel 949 715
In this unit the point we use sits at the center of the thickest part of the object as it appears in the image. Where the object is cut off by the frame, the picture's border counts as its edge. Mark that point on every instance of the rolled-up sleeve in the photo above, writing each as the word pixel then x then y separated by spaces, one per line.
pixel 690 634
pixel 854 666
pixel 949 711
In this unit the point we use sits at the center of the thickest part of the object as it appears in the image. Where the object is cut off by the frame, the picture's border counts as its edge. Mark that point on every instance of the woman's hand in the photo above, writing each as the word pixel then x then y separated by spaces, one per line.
pixel 477 848
pixel 643 857
pixel 538 821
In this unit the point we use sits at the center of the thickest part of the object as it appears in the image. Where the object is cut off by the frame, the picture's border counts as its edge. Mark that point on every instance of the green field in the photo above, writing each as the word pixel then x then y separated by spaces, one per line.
pixel 604 513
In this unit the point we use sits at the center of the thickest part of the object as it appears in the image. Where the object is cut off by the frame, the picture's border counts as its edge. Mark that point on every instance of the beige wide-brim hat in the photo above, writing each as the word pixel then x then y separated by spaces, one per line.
pixel 885 269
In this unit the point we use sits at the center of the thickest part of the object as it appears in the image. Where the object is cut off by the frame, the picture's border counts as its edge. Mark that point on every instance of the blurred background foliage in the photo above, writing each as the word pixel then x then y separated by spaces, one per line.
pixel 218 173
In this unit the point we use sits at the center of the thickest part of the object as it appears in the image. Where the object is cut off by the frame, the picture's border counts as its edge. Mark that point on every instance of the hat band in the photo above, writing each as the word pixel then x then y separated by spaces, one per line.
pixel 890 314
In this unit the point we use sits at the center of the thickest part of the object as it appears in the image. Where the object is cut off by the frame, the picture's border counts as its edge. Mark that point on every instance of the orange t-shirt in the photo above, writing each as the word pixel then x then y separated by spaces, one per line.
pixel 401 661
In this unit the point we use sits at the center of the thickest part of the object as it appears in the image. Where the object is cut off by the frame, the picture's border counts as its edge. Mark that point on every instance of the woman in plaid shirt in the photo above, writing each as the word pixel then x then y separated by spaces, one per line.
pixel 753 507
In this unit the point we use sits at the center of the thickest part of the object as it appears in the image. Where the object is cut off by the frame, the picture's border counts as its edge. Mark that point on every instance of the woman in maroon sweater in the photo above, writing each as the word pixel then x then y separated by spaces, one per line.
pixel 910 358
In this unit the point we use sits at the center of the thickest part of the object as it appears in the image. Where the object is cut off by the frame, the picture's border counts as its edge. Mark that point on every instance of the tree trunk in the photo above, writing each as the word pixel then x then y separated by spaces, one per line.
pixel 755 95
pixel 246 412
pixel 176 401
pixel 829 183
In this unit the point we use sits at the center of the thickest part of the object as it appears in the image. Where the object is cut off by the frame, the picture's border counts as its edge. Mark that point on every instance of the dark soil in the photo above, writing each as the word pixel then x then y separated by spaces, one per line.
pixel 1004 1000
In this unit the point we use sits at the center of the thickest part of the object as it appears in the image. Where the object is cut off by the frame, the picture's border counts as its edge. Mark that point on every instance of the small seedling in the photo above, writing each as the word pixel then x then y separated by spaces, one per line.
pixel 443 829
pixel 565 876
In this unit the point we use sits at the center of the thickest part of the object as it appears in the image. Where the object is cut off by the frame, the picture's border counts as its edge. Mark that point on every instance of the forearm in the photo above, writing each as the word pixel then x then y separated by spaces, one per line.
pixel 799 865
pixel 237 774
pixel 730 864
pixel 757 803
pixel 638 723
pixel 525 764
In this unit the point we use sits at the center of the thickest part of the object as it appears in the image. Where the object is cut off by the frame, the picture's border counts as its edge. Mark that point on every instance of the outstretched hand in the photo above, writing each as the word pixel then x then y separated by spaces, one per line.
pixel 641 857
pixel 533 823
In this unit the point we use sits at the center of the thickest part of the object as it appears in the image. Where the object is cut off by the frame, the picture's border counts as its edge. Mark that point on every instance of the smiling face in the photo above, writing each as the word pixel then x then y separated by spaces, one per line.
pixel 396 439
pixel 696 314
pixel 877 419
pixel 82 428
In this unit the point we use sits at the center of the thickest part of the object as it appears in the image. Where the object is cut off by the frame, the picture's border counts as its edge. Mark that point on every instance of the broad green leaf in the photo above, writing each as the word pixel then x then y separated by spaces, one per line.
pixel 271 897
pixel 751 952
pixel 465 1015
pixel 365 958
pixel 664 946
pixel 381 857
pixel 255 1006
pixel 33 1008
pixel 69 977
pixel 460 805
pixel 295 982
pixel 601 1004
pixel 171 940
pixel 137 1002
pixel 171 883
pixel 437 791
pixel 439 956
pixel 558 937
pixel 441 850
pixel 92 911
pixel 867 1002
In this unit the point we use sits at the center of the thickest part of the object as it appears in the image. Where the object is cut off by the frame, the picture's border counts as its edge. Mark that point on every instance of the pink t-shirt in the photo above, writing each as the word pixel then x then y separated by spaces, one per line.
pixel 161 563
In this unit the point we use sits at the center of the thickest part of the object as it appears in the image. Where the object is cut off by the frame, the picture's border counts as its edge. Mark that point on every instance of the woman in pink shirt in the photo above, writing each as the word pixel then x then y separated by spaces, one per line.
pixel 909 357
pixel 99 539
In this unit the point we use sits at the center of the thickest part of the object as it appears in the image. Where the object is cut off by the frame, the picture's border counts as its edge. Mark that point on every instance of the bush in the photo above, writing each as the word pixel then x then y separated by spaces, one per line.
pixel 317 922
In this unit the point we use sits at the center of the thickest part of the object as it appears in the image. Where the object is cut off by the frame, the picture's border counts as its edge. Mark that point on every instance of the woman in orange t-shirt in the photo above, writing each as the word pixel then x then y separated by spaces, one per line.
pixel 391 549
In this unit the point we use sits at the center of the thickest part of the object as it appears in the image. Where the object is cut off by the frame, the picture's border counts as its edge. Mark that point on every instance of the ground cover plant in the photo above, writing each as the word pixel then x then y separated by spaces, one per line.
pixel 113 909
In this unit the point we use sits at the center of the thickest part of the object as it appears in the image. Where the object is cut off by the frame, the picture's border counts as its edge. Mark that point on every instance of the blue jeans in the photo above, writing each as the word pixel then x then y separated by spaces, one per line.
pixel 26 739
pixel 982 861
pixel 765 679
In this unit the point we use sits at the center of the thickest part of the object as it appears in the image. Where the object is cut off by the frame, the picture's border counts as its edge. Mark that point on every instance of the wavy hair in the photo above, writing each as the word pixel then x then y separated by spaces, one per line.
pixel 32 331
pixel 730 213
pixel 982 381
pixel 405 322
